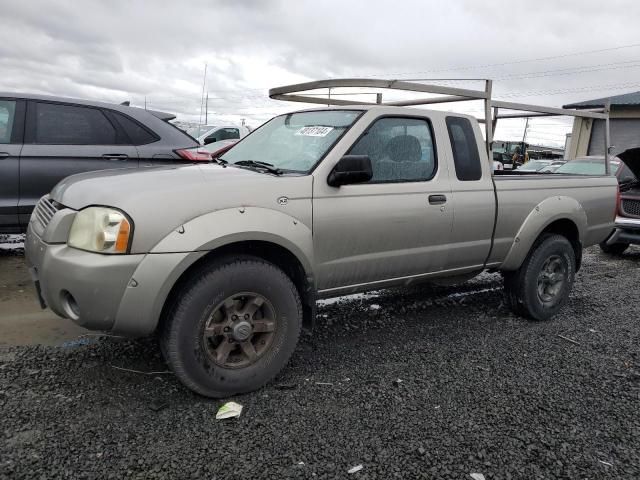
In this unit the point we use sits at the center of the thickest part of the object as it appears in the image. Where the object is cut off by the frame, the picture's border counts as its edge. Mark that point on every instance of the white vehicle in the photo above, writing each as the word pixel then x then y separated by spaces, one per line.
pixel 212 134
pixel 534 165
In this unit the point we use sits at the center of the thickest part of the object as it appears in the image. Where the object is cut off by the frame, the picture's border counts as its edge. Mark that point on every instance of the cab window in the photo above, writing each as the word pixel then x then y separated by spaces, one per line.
pixel 401 150
pixel 466 157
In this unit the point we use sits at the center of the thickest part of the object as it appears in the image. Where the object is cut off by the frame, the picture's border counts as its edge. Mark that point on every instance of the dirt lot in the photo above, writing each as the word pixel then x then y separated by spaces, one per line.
pixel 22 321
pixel 426 383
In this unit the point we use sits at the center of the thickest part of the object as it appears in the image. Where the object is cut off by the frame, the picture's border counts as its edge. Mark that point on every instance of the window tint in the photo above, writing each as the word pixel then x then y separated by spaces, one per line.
pixel 224 134
pixel 400 149
pixel 230 133
pixel 136 132
pixel 465 149
pixel 7 114
pixel 72 125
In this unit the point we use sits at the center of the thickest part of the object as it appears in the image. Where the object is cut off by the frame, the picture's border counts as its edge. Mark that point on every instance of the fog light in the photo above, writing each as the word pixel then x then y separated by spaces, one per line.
pixel 70 306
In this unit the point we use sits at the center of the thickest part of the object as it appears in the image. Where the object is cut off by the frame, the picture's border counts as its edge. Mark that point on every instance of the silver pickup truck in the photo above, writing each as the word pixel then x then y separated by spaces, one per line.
pixel 226 260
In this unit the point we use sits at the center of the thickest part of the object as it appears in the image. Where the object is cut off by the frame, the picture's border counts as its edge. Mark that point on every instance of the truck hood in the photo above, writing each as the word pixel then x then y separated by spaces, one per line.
pixel 158 200
pixel 121 187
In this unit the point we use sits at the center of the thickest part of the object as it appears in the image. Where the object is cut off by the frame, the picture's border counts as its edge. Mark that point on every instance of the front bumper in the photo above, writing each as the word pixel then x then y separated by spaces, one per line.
pixel 82 286
pixel 123 294
pixel 627 230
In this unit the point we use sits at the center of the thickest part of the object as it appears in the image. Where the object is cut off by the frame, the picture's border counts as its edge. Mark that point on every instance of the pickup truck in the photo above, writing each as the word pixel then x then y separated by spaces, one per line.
pixel 225 260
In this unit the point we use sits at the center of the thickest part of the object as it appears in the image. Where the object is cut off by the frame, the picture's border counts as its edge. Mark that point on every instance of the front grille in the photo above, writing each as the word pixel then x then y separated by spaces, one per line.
pixel 631 207
pixel 44 211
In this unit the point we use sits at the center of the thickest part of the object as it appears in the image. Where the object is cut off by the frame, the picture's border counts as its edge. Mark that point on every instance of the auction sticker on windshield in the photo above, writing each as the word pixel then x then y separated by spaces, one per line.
pixel 314 131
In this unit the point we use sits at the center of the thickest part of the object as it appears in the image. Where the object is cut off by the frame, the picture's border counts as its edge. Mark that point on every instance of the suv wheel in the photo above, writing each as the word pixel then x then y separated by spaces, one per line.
pixel 614 249
pixel 541 286
pixel 232 328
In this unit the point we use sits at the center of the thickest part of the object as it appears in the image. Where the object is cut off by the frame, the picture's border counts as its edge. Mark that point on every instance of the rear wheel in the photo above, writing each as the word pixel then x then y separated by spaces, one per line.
pixel 232 328
pixel 541 286
pixel 614 249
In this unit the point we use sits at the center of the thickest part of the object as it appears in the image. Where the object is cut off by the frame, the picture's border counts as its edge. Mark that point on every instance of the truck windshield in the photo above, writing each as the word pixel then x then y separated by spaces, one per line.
pixel 295 142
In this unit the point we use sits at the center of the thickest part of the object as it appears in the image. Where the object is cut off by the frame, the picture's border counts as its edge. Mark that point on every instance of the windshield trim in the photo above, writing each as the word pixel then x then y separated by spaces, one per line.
pixel 329 148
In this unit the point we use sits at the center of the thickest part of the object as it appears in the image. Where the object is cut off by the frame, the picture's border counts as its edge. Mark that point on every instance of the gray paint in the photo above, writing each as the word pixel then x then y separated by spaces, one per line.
pixel 347 239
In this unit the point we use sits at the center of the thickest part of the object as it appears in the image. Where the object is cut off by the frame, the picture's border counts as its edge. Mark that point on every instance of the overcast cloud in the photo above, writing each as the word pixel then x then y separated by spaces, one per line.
pixel 132 50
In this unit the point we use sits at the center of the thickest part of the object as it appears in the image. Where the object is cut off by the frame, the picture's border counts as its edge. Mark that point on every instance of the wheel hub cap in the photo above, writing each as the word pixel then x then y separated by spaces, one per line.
pixel 239 330
pixel 242 331
pixel 552 279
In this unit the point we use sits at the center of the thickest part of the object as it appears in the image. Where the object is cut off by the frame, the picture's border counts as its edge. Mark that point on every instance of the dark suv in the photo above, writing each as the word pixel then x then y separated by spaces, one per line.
pixel 45 139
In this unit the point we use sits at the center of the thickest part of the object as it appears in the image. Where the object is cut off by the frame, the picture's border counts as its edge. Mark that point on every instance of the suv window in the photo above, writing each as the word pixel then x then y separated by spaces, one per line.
pixel 466 157
pixel 7 114
pixel 72 125
pixel 400 149
pixel 224 134
pixel 138 134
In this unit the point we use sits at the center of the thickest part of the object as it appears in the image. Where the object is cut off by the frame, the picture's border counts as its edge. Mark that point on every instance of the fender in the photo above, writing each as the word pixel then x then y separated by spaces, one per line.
pixel 156 275
pixel 543 214
pixel 222 227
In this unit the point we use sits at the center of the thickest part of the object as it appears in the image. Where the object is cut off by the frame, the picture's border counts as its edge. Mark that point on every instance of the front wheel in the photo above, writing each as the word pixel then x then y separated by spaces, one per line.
pixel 541 286
pixel 232 327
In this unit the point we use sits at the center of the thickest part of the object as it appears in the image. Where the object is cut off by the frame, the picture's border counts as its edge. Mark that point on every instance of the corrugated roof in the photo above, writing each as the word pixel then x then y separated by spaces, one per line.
pixel 632 98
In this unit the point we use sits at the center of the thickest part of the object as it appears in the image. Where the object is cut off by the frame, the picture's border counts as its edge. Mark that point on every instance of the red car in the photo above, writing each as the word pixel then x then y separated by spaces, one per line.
pixel 627 226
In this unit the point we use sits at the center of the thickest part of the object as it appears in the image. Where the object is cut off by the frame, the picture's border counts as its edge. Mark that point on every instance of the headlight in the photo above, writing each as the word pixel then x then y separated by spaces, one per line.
pixel 101 230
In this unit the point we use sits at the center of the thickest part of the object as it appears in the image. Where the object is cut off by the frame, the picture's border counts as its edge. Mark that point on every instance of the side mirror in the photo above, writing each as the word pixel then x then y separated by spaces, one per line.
pixel 351 169
pixel 209 140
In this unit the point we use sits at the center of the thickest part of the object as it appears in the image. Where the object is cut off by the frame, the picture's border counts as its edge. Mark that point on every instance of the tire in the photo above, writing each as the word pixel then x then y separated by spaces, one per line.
pixel 542 284
pixel 615 249
pixel 206 321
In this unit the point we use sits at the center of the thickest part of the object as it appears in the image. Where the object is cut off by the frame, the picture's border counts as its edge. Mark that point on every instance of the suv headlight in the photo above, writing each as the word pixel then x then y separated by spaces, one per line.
pixel 101 230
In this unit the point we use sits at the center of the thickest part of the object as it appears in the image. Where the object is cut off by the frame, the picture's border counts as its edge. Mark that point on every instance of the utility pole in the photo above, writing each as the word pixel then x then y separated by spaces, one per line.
pixel 145 102
pixel 206 110
pixel 204 83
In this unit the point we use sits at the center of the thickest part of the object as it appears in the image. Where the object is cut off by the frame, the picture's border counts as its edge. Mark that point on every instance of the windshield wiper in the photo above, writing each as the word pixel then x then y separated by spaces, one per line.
pixel 269 167
pixel 220 161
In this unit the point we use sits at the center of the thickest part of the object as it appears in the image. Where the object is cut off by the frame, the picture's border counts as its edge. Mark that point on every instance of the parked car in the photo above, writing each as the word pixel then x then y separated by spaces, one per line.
pixel 44 139
pixel 553 166
pixel 226 260
pixel 214 134
pixel 534 165
pixel 627 224
pixel 220 147
pixel 590 165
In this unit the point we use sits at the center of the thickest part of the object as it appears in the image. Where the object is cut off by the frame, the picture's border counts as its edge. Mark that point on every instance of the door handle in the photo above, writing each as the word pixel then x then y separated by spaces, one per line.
pixel 115 156
pixel 437 199
pixel 4 155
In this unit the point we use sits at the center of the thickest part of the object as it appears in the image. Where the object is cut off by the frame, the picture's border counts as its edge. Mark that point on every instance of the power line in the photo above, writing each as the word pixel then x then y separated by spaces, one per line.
pixel 516 62
pixel 572 71
pixel 587 88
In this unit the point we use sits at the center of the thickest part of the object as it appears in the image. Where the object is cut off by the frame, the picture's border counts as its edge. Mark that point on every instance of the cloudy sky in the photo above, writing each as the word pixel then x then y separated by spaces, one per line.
pixel 537 51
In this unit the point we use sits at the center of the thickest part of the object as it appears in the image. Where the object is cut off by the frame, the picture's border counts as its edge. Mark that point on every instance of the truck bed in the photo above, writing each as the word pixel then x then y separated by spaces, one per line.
pixel 591 201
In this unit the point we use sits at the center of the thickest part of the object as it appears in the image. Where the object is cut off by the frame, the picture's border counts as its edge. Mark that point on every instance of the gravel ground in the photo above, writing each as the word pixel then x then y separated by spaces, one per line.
pixel 427 383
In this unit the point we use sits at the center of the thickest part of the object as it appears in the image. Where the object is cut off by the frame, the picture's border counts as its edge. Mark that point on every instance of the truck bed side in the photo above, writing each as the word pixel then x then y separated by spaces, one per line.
pixel 527 205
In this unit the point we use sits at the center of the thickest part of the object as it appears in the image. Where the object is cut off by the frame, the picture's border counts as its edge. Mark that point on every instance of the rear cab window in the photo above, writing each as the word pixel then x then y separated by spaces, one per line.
pixel 466 157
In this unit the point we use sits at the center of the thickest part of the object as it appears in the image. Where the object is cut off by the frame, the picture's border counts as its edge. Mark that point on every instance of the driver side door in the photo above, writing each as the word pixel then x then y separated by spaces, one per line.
pixel 398 224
